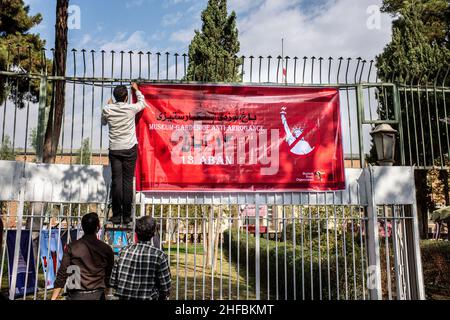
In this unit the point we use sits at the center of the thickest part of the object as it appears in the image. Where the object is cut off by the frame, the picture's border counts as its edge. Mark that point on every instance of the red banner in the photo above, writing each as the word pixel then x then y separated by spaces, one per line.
pixel 239 138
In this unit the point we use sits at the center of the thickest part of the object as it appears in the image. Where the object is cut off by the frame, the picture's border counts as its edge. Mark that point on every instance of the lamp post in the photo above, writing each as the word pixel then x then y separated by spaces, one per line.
pixel 384 137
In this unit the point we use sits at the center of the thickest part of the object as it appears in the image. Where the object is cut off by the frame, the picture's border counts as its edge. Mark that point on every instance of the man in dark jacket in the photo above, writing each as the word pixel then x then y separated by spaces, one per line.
pixel 86 265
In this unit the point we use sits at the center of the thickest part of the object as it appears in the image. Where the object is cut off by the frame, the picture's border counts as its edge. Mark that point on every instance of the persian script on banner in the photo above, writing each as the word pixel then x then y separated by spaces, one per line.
pixel 239 138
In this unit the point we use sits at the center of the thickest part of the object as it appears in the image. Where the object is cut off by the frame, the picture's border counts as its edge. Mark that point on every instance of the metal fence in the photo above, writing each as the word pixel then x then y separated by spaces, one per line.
pixel 317 252
pixel 417 107
pixel 315 237
pixel 91 76
pixel 338 245
pixel 310 245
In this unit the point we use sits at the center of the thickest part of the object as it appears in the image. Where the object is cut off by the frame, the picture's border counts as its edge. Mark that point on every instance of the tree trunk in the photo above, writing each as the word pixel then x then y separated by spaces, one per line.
pixel 54 123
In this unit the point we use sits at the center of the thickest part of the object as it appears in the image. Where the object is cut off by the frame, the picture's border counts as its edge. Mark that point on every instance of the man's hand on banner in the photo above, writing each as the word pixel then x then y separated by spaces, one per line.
pixel 134 86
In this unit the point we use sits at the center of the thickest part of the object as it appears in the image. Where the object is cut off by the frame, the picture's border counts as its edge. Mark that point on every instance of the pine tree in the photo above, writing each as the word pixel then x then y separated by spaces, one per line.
pixel 213 50
pixel 34 139
pixel 434 15
pixel 415 49
pixel 17 45
pixel 6 150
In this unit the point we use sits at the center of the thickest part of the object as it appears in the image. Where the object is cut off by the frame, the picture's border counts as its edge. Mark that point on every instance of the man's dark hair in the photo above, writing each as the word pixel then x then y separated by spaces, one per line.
pixel 145 228
pixel 90 223
pixel 120 93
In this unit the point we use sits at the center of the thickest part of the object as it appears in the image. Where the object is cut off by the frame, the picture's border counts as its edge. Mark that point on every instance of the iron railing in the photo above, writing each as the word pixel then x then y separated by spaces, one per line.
pixel 418 109
pixel 91 76
pixel 325 269
pixel 307 252
pixel 349 244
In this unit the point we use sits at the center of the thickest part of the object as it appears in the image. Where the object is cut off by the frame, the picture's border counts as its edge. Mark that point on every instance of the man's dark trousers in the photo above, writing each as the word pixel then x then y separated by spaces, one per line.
pixel 123 163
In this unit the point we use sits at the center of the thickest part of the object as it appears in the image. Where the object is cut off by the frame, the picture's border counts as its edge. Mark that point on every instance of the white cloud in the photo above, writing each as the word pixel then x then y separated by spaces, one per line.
pixel 86 39
pixel 328 28
pixel 100 27
pixel 337 28
pixel 183 36
pixel 158 36
pixel 122 41
pixel 171 19
pixel 242 6
pixel 168 3
pixel 134 3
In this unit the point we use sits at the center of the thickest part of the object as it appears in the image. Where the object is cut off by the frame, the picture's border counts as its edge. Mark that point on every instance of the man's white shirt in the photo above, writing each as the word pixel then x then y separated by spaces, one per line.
pixel 120 118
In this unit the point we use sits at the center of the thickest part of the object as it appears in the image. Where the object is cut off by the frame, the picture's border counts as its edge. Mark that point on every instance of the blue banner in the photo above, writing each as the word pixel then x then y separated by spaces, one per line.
pixel 118 240
pixel 65 239
pixel 26 272
pixel 51 253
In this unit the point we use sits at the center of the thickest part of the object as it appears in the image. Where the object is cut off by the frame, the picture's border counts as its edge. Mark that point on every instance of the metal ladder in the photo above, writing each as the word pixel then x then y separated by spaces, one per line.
pixel 110 229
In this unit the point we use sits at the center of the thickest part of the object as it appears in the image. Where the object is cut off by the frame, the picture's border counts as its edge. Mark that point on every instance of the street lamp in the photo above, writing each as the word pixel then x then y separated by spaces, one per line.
pixel 384 137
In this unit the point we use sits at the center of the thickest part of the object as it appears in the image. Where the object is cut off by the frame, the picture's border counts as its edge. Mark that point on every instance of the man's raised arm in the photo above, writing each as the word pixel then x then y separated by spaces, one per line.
pixel 140 104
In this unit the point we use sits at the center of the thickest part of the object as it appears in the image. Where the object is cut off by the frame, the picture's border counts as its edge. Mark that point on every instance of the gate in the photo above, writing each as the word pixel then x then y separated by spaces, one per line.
pixel 360 243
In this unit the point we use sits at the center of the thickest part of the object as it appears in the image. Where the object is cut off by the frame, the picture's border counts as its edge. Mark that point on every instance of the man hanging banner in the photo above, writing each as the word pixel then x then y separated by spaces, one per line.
pixel 26 272
pixel 235 138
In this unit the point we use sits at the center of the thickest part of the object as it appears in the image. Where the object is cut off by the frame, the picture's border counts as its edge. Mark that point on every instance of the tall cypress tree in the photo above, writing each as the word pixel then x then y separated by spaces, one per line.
pixel 418 45
pixel 433 14
pixel 213 50
pixel 415 55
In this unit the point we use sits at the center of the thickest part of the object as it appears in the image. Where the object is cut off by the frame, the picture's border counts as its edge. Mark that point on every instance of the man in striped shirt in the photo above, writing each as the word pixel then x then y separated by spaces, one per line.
pixel 142 271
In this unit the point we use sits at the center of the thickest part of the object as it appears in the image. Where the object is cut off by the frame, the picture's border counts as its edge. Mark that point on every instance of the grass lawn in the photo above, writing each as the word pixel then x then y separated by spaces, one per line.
pixel 194 280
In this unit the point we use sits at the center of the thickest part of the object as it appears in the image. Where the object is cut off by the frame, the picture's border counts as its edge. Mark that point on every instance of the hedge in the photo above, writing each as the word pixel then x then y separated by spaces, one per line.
pixel 436 268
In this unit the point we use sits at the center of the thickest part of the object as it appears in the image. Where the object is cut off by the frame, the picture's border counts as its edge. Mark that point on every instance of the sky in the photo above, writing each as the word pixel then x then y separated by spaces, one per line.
pixel 309 27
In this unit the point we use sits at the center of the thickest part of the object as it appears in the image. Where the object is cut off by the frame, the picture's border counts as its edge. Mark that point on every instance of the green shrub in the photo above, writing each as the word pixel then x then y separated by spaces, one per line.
pixel 436 268
pixel 310 232
pixel 312 279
